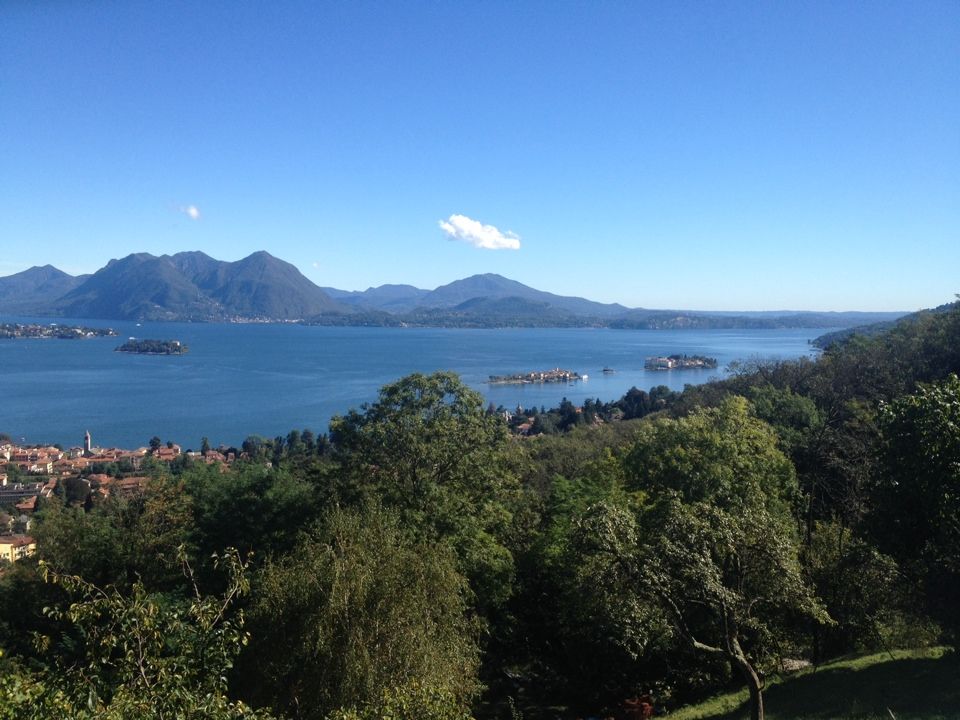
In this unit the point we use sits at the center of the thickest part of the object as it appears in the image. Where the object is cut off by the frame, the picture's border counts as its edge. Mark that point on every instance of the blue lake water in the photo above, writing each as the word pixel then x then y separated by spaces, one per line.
pixel 240 380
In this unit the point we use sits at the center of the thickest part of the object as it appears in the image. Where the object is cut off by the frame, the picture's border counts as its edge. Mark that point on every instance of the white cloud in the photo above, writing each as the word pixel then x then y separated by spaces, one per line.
pixel 460 227
pixel 316 265
pixel 191 211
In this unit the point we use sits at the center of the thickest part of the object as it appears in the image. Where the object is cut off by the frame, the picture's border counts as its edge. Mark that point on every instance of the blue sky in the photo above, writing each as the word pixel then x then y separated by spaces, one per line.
pixel 699 155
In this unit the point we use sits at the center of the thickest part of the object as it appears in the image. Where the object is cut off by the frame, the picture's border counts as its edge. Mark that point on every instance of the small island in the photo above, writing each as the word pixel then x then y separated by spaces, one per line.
pixel 680 362
pixel 53 330
pixel 153 347
pixel 544 376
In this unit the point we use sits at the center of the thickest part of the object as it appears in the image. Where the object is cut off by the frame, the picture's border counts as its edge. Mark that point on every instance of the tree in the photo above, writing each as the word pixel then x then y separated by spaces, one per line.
pixel 356 610
pixel 204 446
pixel 428 449
pixel 141 655
pixel 155 444
pixel 720 551
pixel 917 501
pixel 726 579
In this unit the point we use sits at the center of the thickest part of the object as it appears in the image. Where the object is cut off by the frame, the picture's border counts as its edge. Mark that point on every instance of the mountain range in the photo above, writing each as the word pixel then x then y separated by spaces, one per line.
pixel 192 286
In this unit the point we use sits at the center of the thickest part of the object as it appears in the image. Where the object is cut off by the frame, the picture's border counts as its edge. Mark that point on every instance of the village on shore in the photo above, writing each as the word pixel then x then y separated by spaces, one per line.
pixel 29 474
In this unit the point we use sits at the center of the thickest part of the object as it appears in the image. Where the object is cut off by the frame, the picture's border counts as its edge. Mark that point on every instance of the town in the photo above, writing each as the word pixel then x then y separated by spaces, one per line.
pixel 53 330
pixel 30 474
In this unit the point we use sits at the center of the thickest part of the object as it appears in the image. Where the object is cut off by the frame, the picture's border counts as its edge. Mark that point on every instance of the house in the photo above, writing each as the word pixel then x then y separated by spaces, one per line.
pixel 27 506
pixel 15 547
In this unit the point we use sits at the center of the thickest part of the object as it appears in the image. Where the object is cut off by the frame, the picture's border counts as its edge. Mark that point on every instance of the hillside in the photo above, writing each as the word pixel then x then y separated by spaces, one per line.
pixel 31 289
pixel 497 287
pixel 903 684
pixel 877 327
pixel 191 286
pixel 388 298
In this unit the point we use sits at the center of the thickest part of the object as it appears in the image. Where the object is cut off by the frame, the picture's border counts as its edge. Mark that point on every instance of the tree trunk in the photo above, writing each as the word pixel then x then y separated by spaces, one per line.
pixel 750 675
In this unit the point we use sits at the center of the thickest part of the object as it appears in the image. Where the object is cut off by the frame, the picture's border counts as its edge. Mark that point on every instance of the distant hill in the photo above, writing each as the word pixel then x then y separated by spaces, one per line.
pixel 497 287
pixel 30 290
pixel 875 328
pixel 193 286
pixel 388 298
pixel 497 312
pixel 139 286
pixel 259 285
pixel 185 286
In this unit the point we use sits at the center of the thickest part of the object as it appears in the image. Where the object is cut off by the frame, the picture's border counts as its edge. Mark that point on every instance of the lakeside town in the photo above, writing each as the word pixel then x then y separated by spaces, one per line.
pixel 31 474
pixel 52 331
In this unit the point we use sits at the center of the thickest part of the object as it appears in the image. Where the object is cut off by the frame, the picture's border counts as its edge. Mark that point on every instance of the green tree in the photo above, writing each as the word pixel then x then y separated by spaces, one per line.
pixel 428 449
pixel 720 551
pixel 141 655
pixel 917 501
pixel 356 610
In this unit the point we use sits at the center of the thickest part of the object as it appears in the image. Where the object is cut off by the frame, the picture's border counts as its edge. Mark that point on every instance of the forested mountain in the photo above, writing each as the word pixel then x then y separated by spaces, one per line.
pixel 193 286
pixel 496 287
pixel 261 285
pixel 139 286
pixel 396 299
pixel 31 289
pixel 187 286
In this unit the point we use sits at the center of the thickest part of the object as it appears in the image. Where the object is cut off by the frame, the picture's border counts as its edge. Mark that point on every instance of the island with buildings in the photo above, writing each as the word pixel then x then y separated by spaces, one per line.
pixel 153 347
pixel 542 376
pixel 53 330
pixel 680 362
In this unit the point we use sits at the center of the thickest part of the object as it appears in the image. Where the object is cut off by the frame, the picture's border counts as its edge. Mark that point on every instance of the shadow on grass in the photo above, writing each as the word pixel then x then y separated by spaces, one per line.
pixel 912 689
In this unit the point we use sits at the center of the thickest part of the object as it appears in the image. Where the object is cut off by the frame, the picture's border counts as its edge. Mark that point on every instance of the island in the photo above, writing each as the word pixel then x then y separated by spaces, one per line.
pixel 543 376
pixel 680 362
pixel 53 330
pixel 153 347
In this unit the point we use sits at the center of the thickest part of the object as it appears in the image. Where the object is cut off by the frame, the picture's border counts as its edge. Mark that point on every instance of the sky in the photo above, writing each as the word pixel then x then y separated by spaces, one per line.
pixel 703 155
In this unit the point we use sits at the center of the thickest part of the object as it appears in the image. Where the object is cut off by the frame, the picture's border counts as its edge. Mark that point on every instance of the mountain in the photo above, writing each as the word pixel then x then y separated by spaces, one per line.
pixel 388 298
pixel 139 286
pixel 194 286
pixel 496 287
pixel 33 289
pixel 260 285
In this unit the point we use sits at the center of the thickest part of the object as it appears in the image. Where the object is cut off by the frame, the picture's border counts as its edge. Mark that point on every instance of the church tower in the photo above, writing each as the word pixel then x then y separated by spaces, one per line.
pixel 87 450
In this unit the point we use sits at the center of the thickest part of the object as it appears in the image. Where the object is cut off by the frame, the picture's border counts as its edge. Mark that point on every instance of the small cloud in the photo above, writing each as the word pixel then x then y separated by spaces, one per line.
pixel 316 265
pixel 191 211
pixel 460 227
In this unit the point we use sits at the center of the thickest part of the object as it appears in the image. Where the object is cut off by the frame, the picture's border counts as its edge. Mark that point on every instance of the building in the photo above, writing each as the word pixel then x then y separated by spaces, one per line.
pixel 12 493
pixel 16 547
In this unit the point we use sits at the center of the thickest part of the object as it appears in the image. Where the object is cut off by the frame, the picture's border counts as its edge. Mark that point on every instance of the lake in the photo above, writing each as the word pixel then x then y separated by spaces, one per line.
pixel 267 379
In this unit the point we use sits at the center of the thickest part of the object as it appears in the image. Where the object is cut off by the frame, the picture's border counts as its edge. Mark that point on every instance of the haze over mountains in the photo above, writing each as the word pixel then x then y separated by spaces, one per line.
pixel 192 286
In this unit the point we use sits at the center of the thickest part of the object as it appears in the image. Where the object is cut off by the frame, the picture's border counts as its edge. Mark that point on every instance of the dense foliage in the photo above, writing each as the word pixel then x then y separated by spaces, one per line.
pixel 429 559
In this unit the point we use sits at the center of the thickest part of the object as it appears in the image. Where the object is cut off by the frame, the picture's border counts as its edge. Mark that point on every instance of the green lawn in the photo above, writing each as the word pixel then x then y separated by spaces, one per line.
pixel 910 685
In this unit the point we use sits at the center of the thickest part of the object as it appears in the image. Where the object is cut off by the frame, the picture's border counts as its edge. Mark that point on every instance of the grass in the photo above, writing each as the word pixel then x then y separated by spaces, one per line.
pixel 905 684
